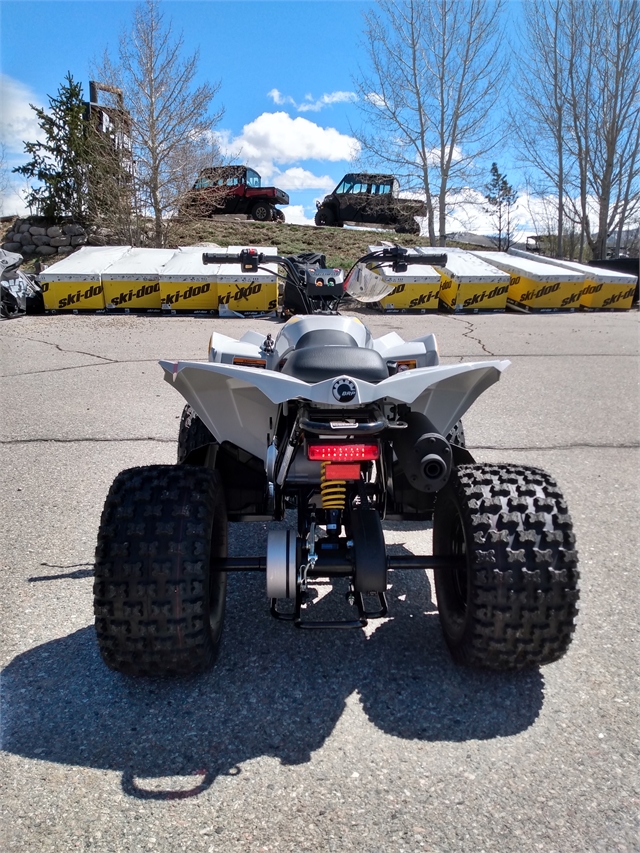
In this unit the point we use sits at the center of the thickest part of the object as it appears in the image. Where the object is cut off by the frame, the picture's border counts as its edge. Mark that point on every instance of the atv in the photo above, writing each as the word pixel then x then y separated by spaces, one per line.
pixel 233 189
pixel 345 431
pixel 364 199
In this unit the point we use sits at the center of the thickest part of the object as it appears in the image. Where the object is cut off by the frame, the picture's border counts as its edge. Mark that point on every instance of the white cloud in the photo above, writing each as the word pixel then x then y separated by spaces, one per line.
pixel 311 104
pixel 12 201
pixel 17 120
pixel 295 214
pixel 297 178
pixel 278 138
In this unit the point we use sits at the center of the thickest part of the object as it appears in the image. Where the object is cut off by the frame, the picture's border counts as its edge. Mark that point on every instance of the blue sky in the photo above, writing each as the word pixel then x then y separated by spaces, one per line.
pixel 286 71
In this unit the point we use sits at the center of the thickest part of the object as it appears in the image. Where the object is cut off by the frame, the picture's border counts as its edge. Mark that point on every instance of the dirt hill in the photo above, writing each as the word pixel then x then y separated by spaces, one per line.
pixel 342 246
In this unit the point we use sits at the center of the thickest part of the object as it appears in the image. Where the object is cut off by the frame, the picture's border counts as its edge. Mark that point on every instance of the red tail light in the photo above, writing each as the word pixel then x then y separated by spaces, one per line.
pixel 343 452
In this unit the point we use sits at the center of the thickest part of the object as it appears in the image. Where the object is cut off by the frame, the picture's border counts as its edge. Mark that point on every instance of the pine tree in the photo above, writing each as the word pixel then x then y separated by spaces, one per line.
pixel 501 197
pixel 60 163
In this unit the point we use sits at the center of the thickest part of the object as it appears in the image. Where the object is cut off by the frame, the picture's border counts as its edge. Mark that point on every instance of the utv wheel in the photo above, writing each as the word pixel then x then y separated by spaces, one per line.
pixel 278 215
pixel 325 217
pixel 262 212
pixel 514 603
pixel 159 607
pixel 192 435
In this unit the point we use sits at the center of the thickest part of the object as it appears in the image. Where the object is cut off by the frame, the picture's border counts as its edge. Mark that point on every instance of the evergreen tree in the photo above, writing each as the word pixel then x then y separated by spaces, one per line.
pixel 501 197
pixel 60 163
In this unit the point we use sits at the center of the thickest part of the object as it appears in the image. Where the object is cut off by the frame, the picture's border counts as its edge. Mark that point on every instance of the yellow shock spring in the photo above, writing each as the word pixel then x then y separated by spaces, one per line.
pixel 333 493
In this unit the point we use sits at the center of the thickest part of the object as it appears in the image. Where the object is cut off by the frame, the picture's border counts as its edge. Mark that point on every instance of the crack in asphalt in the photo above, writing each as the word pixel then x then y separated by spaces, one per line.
pixel 107 363
pixel 467 334
pixel 60 349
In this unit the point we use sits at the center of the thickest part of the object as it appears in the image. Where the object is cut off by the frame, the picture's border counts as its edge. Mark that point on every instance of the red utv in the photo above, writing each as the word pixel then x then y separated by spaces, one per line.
pixel 234 189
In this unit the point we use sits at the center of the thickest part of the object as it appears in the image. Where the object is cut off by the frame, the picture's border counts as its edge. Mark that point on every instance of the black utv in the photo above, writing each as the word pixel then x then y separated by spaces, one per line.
pixel 363 198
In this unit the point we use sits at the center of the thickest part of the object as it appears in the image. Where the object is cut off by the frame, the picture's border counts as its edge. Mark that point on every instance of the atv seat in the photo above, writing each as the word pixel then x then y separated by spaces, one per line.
pixel 317 363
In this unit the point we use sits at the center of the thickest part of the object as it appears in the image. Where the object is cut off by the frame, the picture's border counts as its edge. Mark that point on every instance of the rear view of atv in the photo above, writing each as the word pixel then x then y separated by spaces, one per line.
pixel 346 431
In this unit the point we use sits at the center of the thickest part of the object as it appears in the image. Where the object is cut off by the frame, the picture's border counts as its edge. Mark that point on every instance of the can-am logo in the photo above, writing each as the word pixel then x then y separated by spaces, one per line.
pixel 344 390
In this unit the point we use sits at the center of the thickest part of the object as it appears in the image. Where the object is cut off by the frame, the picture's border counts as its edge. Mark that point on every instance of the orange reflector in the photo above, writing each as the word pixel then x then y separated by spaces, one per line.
pixel 342 452
pixel 407 364
pixel 342 471
pixel 250 362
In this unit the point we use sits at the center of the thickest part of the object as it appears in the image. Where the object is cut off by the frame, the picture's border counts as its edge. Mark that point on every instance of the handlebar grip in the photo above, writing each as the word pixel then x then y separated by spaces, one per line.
pixel 212 258
pixel 431 260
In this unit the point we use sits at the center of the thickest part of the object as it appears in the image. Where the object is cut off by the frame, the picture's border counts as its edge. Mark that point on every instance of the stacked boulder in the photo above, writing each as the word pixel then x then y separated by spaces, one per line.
pixel 30 239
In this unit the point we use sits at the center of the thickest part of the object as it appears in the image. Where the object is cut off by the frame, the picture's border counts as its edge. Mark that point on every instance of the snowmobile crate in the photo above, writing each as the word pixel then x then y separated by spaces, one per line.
pixel 416 290
pixel 132 283
pixel 75 284
pixel 187 285
pixel 470 285
pixel 247 293
pixel 603 289
pixel 535 286
pixel 413 290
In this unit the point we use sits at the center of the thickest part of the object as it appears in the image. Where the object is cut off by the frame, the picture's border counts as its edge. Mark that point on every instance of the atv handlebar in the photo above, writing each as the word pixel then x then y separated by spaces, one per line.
pixel 397 256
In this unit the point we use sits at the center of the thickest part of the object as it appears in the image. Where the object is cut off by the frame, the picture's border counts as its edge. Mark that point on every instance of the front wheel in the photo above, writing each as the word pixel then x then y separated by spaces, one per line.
pixel 513 602
pixel 325 217
pixel 262 212
pixel 158 601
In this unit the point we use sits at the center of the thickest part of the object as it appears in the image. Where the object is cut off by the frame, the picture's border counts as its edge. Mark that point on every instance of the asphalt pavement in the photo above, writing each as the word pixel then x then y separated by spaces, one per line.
pixel 370 741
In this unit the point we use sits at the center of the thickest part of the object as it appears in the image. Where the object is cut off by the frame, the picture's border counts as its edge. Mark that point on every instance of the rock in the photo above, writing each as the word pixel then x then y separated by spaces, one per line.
pixel 54 231
pixel 62 241
pixel 39 240
pixel 12 247
pixel 46 250
pixel 37 231
pixel 65 250
pixel 24 228
pixel 10 237
pixel 80 240
pixel 17 224
pixel 73 230
pixel 30 248
pixel 25 238
pixel 97 240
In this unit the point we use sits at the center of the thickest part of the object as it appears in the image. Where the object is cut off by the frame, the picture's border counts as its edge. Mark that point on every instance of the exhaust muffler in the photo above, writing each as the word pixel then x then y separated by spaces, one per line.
pixel 424 455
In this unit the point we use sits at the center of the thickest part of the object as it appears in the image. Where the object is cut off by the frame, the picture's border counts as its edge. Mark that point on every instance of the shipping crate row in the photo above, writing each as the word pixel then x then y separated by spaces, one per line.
pixel 474 282
pixel 121 279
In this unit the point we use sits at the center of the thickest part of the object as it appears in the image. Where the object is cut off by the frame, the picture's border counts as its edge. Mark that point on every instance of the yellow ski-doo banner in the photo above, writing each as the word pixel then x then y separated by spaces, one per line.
pixel 248 295
pixel 185 295
pixel 472 297
pixel 73 295
pixel 606 296
pixel 135 294
pixel 526 294
pixel 412 297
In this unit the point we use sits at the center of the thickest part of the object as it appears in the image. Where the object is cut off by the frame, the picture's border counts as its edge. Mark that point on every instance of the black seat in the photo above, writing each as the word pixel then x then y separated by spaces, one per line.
pixel 326 338
pixel 317 363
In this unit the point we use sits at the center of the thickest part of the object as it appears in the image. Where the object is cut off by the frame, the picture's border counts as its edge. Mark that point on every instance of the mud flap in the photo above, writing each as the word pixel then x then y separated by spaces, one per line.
pixel 369 551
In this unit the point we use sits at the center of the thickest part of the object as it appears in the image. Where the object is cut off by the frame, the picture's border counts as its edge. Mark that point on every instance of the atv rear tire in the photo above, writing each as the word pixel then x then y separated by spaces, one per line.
pixel 514 604
pixel 159 607
pixel 325 217
pixel 192 435
pixel 262 212
pixel 455 435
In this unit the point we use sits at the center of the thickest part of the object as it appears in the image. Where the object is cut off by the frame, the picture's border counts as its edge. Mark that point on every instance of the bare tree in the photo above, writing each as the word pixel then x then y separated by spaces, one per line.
pixel 540 117
pixel 577 120
pixel 171 122
pixel 428 97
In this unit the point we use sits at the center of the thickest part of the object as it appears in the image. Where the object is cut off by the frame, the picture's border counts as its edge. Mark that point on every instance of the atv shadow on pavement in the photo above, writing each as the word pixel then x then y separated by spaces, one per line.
pixel 275 691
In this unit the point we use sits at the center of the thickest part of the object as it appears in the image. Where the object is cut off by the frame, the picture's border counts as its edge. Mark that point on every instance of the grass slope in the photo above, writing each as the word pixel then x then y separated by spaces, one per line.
pixel 342 246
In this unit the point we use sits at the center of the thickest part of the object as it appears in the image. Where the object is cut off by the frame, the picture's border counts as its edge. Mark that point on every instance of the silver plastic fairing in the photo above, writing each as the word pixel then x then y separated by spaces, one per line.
pixel 240 404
